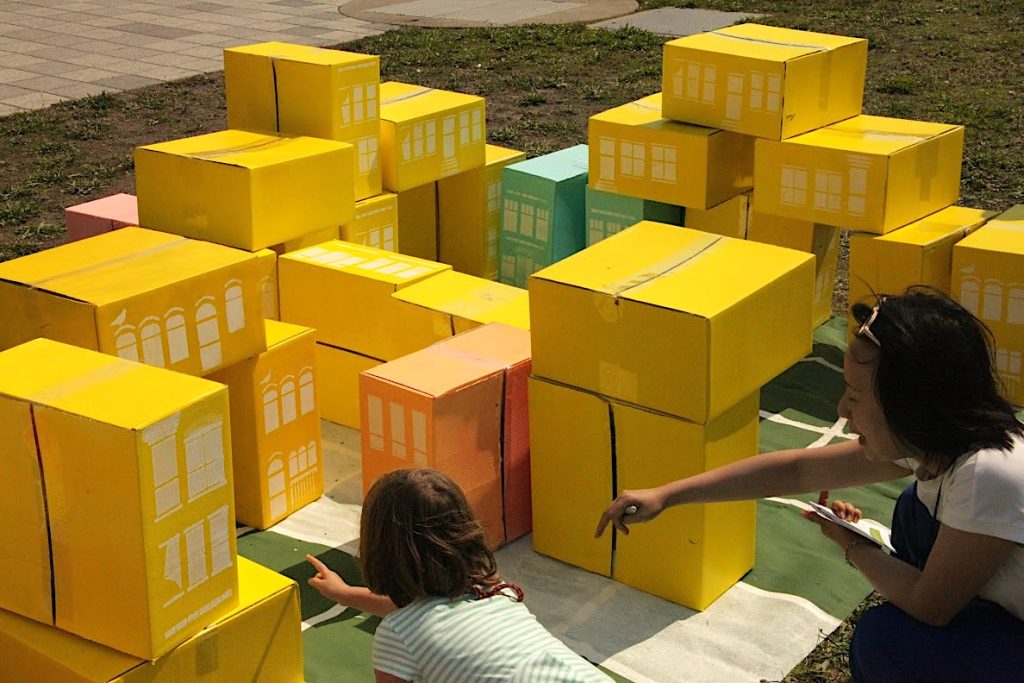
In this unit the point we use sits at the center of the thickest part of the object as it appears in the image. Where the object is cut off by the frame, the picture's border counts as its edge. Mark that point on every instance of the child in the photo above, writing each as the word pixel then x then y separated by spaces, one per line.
pixel 448 616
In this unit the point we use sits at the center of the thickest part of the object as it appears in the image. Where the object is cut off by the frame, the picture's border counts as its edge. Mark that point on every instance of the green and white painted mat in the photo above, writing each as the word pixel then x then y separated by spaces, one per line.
pixel 799 591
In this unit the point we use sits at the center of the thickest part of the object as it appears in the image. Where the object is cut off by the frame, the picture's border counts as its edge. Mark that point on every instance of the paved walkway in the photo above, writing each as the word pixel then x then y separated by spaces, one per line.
pixel 53 50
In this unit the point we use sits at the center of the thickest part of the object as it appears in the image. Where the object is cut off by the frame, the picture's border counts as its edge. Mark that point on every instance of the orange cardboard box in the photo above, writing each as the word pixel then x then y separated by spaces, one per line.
pixel 440 410
pixel 509 346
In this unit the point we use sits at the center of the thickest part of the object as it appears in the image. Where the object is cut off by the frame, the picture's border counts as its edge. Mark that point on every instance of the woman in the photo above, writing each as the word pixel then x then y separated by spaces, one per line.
pixel 922 395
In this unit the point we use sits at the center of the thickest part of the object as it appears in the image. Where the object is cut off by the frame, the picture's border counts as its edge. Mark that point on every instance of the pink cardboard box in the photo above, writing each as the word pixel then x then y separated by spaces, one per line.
pixel 101 215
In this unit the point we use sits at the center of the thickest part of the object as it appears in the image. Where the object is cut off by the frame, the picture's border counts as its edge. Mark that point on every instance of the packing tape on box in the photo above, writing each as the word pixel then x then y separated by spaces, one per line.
pixel 116 368
pixel 163 246
pixel 692 250
pixel 269 142
pixel 765 41
pixel 406 96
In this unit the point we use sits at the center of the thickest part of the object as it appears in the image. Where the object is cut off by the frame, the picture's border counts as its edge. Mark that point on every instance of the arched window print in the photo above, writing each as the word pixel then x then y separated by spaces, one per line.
pixel 234 305
pixel 970 295
pixel 306 393
pixel 276 489
pixel 992 304
pixel 271 414
pixel 311 453
pixel 152 342
pixel 208 332
pixel 287 400
pixel 126 344
pixel 1015 304
pixel 177 337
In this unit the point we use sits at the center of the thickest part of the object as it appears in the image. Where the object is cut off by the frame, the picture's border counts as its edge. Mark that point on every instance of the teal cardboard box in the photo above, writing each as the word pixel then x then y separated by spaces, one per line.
pixel 543 213
pixel 609 213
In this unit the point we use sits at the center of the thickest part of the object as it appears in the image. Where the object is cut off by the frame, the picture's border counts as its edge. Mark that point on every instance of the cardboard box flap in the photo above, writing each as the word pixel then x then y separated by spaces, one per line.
pixel 646 112
pixel 404 101
pixel 67 259
pixel 564 164
pixel 718 277
pixel 493 154
pixel 494 341
pixel 938 226
pixel 98 386
pixel 873 134
pixel 1000 234
pixel 609 268
pixel 164 266
pixel 434 372
pixel 281 333
pixel 469 297
pixel 385 266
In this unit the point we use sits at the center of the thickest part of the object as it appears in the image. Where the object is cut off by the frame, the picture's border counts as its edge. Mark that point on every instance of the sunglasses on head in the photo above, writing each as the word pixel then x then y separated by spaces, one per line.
pixel 865 329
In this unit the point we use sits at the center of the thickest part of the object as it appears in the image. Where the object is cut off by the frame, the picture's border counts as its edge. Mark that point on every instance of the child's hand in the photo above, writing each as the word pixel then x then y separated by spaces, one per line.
pixel 327 582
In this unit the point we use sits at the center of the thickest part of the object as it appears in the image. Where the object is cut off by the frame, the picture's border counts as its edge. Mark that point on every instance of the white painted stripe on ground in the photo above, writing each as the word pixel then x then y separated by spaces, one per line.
pixel 325 522
pixel 323 616
pixel 821 361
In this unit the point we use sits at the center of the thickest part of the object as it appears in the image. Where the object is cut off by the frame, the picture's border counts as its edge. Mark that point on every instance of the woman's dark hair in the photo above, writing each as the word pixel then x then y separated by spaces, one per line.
pixel 935 378
pixel 418 537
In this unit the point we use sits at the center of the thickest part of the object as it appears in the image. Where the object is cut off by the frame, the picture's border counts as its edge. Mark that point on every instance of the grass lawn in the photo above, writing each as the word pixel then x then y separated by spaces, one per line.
pixel 936 60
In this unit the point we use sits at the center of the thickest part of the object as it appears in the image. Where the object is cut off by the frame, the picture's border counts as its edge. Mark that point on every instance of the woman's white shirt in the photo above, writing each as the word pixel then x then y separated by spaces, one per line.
pixel 983 493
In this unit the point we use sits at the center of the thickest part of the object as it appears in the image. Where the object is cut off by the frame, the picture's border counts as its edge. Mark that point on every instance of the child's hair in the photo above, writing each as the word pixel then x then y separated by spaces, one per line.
pixel 419 537
pixel 935 378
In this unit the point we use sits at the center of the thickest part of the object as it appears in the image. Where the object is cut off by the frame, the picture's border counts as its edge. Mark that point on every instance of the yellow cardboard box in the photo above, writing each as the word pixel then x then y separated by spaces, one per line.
pixel 690 554
pixel 464 301
pixel 917 254
pixel 813 238
pixel 635 151
pixel 734 314
pixel 344 290
pixel 417 221
pixel 243 189
pixel 375 223
pixel 867 173
pixel 338 373
pixel 275 427
pixel 302 90
pixel 469 214
pixel 762 80
pixel 260 640
pixel 428 134
pixel 729 219
pixel 988 279
pixel 136 474
pixel 161 299
pixel 266 261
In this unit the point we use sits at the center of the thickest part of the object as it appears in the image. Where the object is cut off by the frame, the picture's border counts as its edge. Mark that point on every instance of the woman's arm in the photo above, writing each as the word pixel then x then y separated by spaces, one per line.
pixel 333 587
pixel 769 474
pixel 960 564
